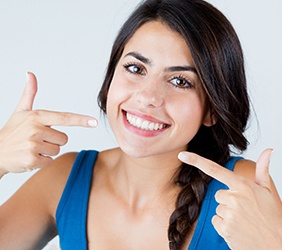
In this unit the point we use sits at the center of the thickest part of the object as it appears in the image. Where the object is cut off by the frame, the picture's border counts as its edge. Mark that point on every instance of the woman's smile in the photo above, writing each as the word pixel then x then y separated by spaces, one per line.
pixel 156 103
pixel 143 125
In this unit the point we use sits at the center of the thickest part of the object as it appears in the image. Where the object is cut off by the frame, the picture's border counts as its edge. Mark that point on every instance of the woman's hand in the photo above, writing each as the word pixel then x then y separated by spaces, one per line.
pixel 249 214
pixel 27 141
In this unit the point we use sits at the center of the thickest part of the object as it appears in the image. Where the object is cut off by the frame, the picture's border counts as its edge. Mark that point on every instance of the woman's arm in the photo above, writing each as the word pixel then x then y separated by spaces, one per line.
pixel 27 219
pixel 28 142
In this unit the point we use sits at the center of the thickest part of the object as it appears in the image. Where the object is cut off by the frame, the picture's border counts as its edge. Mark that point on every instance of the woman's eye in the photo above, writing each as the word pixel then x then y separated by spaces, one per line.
pixel 134 69
pixel 181 82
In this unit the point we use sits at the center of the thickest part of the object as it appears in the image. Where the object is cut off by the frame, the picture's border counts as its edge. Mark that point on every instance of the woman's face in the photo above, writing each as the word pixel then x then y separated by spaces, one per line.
pixel 155 103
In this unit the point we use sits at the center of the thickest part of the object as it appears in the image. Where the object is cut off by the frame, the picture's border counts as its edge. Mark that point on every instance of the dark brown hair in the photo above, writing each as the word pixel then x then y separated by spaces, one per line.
pixel 218 58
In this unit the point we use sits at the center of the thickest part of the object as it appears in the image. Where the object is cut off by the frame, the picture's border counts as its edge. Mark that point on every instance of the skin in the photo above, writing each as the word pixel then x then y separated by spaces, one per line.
pixel 153 92
pixel 35 146
pixel 251 204
pixel 132 188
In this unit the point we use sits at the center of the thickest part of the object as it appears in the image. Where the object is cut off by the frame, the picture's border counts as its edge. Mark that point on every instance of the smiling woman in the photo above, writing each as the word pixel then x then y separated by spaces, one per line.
pixel 176 99
pixel 150 95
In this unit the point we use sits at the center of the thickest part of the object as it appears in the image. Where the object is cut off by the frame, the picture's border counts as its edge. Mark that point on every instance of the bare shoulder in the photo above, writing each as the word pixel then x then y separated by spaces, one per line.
pixel 37 199
pixel 54 177
pixel 246 168
pixel 60 168
pixel 46 185
pixel 58 171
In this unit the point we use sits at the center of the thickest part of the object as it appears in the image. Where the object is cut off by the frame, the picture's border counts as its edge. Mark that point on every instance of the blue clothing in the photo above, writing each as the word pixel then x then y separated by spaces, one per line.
pixel 205 236
pixel 71 214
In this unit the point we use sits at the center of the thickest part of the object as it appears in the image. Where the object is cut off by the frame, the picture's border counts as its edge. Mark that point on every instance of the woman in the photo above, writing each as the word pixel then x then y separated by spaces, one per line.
pixel 175 82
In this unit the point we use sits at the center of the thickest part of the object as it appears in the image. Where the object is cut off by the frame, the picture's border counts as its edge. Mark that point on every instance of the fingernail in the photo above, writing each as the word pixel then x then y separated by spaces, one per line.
pixel 271 153
pixel 92 123
pixel 183 156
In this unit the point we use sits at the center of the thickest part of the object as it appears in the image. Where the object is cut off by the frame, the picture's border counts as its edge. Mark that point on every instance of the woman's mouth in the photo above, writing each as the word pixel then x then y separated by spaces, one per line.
pixel 144 124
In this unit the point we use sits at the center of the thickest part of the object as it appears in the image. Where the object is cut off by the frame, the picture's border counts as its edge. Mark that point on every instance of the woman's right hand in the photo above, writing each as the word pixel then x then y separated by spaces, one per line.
pixel 27 141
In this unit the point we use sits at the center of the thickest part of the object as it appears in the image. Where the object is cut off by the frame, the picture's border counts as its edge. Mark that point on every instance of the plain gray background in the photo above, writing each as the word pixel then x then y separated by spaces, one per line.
pixel 66 43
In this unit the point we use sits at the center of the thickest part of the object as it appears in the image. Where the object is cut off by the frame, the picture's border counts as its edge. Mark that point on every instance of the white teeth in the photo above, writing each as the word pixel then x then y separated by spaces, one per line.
pixel 138 123
pixel 156 126
pixel 151 126
pixel 143 124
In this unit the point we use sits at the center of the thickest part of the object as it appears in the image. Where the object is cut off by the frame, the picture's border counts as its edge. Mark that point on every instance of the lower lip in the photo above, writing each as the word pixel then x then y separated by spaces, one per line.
pixel 139 131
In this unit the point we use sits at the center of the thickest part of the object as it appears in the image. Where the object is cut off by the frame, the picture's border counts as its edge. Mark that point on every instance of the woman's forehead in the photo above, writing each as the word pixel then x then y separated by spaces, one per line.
pixel 155 40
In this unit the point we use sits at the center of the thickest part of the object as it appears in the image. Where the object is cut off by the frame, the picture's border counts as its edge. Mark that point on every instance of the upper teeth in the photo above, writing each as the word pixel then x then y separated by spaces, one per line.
pixel 143 124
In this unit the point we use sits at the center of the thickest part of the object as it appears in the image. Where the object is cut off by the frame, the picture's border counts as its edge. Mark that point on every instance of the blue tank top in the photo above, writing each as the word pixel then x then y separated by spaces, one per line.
pixel 71 214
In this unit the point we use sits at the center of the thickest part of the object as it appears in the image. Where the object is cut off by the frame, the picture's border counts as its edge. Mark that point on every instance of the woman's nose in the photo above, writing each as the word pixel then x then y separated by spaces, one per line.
pixel 150 94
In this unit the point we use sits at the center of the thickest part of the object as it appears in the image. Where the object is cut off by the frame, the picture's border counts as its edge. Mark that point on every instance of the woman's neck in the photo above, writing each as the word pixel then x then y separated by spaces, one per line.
pixel 143 182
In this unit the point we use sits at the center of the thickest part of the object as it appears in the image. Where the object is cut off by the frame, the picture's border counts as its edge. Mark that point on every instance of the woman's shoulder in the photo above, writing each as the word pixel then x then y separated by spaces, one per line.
pixel 245 168
pixel 38 199
pixel 53 179
pixel 60 169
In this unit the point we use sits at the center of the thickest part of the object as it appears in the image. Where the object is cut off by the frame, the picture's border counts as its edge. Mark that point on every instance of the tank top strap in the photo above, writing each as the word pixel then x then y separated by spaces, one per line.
pixel 71 214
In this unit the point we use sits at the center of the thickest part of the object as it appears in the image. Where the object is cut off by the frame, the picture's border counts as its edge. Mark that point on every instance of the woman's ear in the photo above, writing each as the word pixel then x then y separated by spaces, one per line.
pixel 209 119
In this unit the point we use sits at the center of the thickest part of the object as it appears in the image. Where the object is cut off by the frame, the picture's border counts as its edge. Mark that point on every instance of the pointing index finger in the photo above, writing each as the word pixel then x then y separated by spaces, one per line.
pixel 52 118
pixel 210 168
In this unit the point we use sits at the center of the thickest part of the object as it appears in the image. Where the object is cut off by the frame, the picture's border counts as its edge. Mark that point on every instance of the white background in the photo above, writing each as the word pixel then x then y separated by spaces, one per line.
pixel 66 43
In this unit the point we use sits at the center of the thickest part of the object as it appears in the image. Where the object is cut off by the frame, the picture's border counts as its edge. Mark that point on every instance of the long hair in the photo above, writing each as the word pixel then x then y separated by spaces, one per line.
pixel 218 58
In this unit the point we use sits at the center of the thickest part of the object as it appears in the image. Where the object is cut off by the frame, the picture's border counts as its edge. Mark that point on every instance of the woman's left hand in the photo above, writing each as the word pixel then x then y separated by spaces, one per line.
pixel 249 214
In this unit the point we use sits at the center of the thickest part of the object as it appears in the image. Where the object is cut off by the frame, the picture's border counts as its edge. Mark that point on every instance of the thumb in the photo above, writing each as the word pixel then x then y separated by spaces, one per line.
pixel 27 99
pixel 262 169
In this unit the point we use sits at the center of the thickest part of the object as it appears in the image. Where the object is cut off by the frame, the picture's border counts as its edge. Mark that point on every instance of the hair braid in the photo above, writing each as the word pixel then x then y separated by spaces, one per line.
pixel 188 204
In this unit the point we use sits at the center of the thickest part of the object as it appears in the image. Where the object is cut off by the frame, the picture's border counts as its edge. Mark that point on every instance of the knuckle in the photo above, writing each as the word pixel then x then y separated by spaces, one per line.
pixel 34 132
pixel 56 150
pixel 31 147
pixel 226 226
pixel 32 125
pixel 248 190
pixel 219 194
pixel 215 221
pixel 65 118
pixel 234 200
pixel 218 210
pixel 244 182
pixel 193 159
pixel 61 139
pixel 33 115
pixel 30 162
pixel 212 169
pixel 226 230
pixel 230 218
pixel 65 139
pixel 245 185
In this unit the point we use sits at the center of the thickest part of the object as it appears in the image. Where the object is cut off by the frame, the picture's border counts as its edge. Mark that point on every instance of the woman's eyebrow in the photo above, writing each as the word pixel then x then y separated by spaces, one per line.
pixel 181 68
pixel 139 57
pixel 146 60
